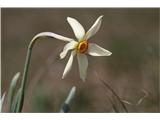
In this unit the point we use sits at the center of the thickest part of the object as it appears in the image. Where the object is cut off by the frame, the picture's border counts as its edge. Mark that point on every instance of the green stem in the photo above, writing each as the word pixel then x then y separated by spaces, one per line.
pixel 25 74
pixel 26 67
pixel 27 63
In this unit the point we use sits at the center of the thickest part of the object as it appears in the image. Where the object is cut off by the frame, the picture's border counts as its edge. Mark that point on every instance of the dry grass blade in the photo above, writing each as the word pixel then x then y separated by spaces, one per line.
pixel 113 92
pixel 139 101
pixel 113 105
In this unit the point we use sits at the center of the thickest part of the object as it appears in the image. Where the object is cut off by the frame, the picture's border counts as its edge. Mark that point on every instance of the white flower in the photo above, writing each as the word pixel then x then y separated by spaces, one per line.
pixel 80 47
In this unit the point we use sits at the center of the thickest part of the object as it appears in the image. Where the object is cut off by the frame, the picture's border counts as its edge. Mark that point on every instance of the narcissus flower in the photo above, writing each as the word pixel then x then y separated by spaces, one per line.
pixel 80 47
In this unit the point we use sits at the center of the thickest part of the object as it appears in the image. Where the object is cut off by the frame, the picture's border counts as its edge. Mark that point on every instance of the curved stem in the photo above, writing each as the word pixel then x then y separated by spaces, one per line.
pixel 25 73
pixel 26 67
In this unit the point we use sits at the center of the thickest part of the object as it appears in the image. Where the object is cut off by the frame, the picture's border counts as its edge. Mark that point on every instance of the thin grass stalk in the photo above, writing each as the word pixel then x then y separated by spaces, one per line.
pixel 114 93
pixel 113 105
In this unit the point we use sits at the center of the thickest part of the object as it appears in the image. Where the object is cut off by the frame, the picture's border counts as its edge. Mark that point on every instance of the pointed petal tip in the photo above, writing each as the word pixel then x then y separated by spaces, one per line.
pixel 96 50
pixel 109 54
pixel 63 76
pixel 94 28
pixel 101 16
pixel 61 56
pixel 69 18
pixel 69 64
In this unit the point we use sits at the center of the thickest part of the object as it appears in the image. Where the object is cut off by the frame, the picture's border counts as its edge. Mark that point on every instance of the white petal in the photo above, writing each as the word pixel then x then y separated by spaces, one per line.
pixel 94 29
pixel 52 35
pixel 95 50
pixel 83 65
pixel 69 46
pixel 69 64
pixel 77 28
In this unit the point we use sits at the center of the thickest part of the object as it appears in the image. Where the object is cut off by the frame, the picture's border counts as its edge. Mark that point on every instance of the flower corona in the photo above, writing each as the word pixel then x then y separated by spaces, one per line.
pixel 82 46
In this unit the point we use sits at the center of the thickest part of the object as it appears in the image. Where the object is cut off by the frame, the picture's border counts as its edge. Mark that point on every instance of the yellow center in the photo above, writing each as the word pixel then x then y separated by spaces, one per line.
pixel 82 46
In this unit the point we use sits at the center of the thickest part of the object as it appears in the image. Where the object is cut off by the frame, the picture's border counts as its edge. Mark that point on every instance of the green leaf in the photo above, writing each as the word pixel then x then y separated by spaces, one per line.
pixel 15 103
pixel 1 101
pixel 12 90
pixel 66 105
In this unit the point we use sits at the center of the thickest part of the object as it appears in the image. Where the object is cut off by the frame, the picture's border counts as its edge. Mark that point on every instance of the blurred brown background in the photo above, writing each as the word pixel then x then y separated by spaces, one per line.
pixel 130 34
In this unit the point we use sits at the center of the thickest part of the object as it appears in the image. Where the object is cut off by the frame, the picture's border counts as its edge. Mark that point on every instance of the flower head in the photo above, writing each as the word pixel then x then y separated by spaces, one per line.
pixel 80 47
